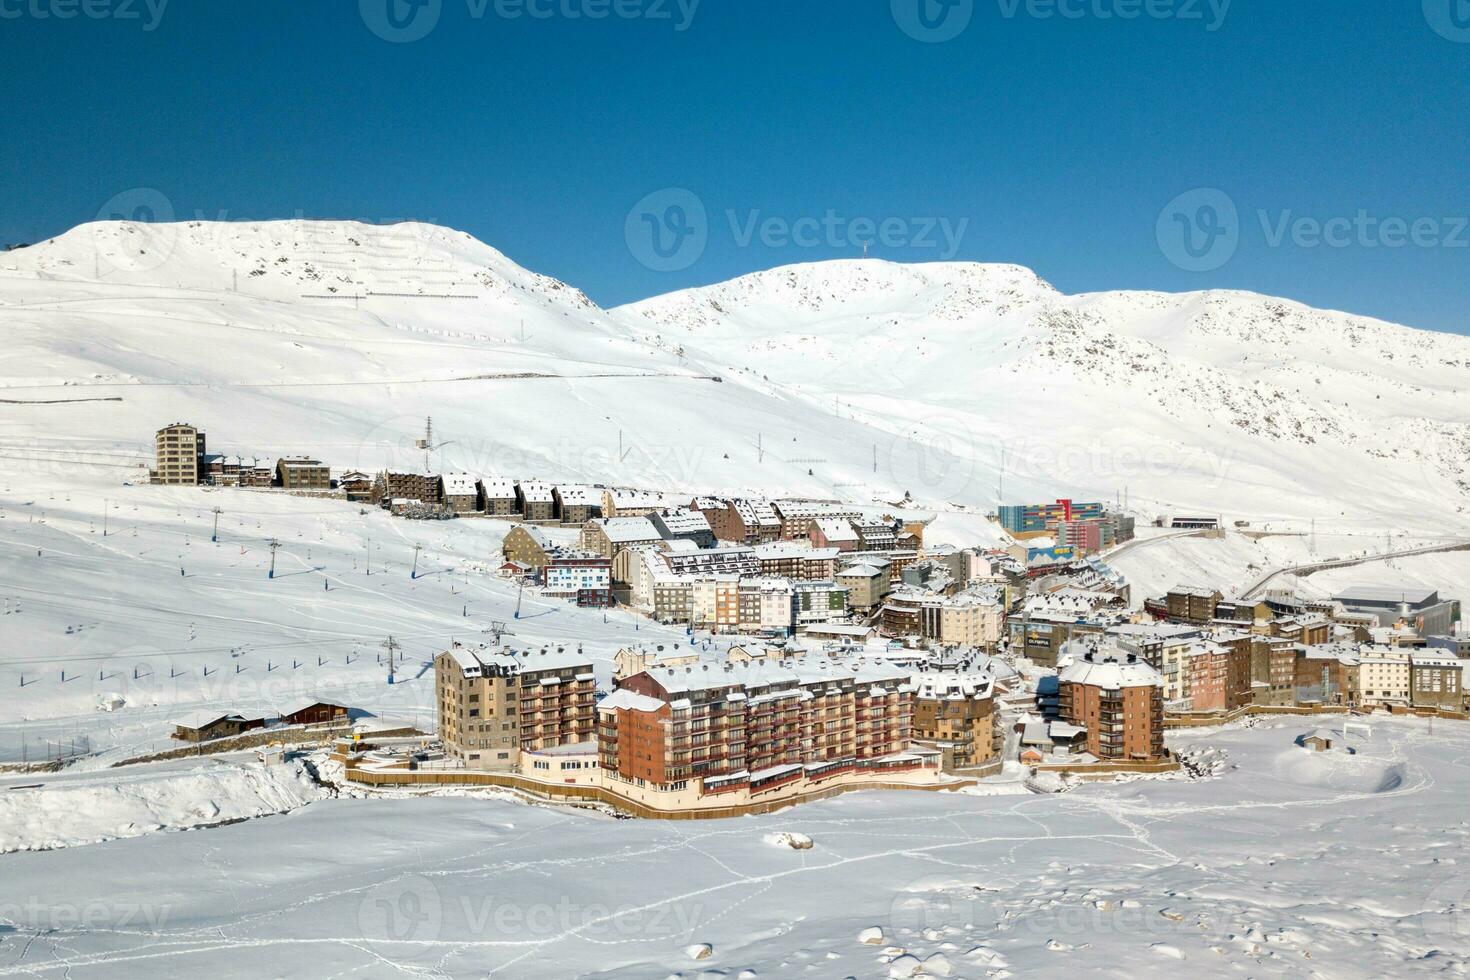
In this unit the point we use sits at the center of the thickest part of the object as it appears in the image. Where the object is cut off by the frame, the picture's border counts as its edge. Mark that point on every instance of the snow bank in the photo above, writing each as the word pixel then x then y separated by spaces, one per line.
pixel 67 812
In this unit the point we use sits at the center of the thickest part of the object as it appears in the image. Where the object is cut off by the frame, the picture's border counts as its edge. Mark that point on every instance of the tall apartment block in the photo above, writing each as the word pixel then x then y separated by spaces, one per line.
pixel 178 450
pixel 494 704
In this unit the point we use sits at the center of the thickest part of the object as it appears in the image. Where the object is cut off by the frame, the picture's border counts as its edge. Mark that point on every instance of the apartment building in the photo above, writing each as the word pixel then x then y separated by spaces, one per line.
pixel 402 485
pixel 746 522
pixel 576 505
pixel 962 620
pixel 460 492
pixel 497 497
pixel 794 560
pixel 1192 604
pixel 631 503
pixel 534 501
pixel 494 704
pixel 581 576
pixel 798 516
pixel 756 726
pixel 1026 520
pixel 528 545
pixel 302 473
pixel 683 525
pixel 1119 699
pixel 833 532
pixel 955 713
pixel 867 585
pixel 178 451
pixel 608 536
pixel 817 602
pixel 1435 681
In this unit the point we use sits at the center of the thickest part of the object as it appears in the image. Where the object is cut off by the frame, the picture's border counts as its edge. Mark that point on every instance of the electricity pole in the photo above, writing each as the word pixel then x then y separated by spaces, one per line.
pixel 391 645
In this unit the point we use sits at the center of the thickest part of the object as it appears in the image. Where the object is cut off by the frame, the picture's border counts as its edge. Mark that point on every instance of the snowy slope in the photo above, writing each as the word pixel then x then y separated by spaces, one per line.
pixel 1221 402
pixel 338 339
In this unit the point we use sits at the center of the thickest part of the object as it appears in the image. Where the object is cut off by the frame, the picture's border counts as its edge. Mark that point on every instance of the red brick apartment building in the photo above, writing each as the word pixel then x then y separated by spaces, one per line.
pixel 757 726
pixel 1119 699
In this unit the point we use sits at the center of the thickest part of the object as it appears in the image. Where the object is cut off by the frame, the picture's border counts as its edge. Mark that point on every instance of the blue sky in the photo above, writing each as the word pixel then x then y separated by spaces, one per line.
pixel 1064 135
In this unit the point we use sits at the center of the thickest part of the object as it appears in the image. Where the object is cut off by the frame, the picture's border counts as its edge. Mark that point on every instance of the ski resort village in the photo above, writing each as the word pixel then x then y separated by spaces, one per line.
pixel 372 606
pixel 823 647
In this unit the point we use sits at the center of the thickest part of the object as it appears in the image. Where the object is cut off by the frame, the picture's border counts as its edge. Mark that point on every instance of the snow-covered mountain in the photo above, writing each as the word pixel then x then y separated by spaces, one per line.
pixel 860 380
pixel 1222 402
pixel 339 339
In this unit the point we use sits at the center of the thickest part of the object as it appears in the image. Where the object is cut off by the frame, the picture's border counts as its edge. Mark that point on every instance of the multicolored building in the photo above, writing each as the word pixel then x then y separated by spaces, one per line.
pixel 1039 518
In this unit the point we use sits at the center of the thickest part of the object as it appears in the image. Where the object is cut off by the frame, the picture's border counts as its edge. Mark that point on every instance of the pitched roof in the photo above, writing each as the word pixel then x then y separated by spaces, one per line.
pixel 459 485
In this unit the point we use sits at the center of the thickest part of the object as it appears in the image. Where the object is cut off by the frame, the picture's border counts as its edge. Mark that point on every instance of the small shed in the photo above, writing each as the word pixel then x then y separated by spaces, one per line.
pixel 1318 740
pixel 309 712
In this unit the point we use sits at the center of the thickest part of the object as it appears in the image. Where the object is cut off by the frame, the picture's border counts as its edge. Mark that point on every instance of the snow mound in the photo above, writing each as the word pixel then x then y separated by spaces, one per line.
pixel 797 842
pixel 67 812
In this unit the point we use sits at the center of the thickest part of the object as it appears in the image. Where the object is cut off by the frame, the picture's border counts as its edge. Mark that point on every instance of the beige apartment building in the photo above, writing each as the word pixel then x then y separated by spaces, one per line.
pixel 962 621
pixel 1384 679
pixel 177 450
pixel 955 713
pixel 494 704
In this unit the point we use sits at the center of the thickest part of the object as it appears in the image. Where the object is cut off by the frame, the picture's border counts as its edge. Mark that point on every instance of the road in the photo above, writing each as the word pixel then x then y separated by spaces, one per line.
pixel 1312 568
pixel 1137 543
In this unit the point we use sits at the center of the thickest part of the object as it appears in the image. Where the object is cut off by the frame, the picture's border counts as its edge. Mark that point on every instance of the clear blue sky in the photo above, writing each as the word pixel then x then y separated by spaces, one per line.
pixel 1058 141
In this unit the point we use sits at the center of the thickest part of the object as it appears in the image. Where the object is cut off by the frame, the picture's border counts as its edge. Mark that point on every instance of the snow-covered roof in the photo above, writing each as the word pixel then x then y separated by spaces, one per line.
pixel 953 686
pixel 196 720
pixel 1370 594
pixel 537 493
pixel 835 529
pixel 459 485
pixel 536 534
pixel 684 521
pixel 577 496
pixel 1110 670
pixel 625 699
pixel 498 488
pixel 625 530
pixel 301 704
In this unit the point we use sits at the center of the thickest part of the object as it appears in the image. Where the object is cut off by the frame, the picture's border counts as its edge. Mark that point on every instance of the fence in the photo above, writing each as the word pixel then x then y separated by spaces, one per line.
pixel 1224 718
pixel 593 795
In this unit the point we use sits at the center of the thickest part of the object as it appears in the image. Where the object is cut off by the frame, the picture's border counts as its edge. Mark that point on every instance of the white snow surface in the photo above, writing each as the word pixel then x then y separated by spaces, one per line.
pixel 1244 874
